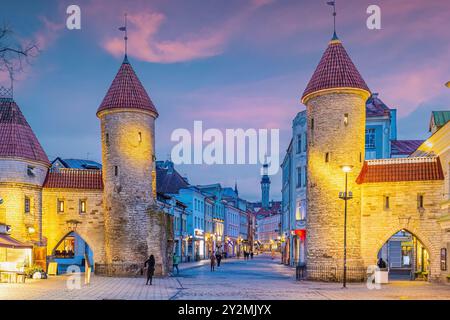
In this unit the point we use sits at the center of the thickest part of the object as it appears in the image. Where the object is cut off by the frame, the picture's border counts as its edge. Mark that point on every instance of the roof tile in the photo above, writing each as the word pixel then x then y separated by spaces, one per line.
pixel 74 179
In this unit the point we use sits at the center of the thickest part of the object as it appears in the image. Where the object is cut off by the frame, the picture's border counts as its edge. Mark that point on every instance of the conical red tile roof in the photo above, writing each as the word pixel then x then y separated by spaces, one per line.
pixel 17 139
pixel 126 91
pixel 335 70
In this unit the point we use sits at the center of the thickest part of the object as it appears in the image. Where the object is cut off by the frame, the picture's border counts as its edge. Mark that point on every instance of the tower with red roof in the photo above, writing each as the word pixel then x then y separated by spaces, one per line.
pixel 127 117
pixel 23 168
pixel 335 99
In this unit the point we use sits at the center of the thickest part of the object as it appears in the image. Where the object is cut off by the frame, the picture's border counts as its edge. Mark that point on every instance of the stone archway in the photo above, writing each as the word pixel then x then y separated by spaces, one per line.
pixel 374 236
pixel 72 250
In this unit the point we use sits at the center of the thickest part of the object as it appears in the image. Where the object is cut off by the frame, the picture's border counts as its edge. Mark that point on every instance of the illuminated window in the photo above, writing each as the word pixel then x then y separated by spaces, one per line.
pixel 140 137
pixel 60 205
pixel 27 205
pixel 82 206
pixel 346 119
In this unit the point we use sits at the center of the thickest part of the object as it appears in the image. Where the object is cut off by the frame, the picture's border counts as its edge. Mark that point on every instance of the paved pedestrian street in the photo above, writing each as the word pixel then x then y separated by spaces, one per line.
pixel 260 278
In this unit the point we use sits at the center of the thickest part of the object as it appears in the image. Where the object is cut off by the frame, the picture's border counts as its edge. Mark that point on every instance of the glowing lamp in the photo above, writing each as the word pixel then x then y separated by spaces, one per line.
pixel 347 168
pixel 31 230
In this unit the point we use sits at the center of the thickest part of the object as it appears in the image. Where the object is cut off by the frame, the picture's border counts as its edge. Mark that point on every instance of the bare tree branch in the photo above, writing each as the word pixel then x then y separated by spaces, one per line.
pixel 13 54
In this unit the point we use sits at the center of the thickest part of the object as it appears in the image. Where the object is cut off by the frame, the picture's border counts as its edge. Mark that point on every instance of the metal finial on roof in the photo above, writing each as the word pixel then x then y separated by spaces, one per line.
pixel 125 38
pixel 333 3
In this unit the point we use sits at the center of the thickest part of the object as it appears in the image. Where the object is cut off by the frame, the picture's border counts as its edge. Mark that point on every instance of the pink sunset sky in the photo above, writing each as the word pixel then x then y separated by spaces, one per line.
pixel 232 64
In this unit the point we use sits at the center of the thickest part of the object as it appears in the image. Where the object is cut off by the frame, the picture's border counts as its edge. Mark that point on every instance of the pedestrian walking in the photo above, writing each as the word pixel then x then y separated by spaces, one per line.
pixel 219 258
pixel 213 262
pixel 150 269
pixel 251 254
pixel 176 261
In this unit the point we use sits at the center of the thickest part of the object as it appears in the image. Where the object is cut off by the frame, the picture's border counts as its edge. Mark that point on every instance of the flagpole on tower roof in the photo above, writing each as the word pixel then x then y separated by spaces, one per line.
pixel 125 38
pixel 333 3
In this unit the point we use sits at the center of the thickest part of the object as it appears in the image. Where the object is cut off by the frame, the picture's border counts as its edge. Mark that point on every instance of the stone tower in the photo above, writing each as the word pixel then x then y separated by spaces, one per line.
pixel 265 187
pixel 23 168
pixel 335 100
pixel 127 117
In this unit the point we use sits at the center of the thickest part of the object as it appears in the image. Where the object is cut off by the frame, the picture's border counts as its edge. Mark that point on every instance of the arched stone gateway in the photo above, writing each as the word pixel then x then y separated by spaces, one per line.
pixel 402 212
pixel 72 250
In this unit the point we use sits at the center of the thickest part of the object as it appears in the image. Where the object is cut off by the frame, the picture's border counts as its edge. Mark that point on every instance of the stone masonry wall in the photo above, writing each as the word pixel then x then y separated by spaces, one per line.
pixel 379 224
pixel 344 144
pixel 128 174
pixel 91 223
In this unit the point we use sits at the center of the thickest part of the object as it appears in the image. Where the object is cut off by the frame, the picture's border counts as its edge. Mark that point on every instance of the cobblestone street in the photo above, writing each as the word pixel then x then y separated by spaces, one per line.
pixel 260 278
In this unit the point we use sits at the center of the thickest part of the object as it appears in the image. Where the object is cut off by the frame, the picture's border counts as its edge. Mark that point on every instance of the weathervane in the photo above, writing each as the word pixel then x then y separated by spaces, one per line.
pixel 125 38
pixel 333 3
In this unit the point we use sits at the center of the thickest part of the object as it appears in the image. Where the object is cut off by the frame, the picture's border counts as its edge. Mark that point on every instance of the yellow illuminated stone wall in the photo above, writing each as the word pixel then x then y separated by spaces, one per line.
pixel 336 126
pixel 91 224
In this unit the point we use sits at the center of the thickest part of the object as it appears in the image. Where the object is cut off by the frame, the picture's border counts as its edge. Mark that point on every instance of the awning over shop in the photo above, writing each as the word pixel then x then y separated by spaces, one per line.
pixel 6 241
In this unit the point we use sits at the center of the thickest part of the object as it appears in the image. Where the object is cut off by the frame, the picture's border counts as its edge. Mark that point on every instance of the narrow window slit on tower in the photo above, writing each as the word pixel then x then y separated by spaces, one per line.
pixel 116 171
pixel 346 119
pixel 107 138
pixel 386 202
pixel 327 157
pixel 140 136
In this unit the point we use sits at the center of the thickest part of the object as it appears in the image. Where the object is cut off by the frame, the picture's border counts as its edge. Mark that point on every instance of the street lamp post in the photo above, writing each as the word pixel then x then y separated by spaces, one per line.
pixel 345 196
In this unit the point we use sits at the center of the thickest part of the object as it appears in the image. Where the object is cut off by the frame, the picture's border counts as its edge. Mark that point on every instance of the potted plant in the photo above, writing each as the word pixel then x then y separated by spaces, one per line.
pixel 33 271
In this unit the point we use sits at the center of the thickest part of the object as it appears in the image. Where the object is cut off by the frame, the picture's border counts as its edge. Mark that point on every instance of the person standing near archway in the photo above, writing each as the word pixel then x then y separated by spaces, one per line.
pixel 150 269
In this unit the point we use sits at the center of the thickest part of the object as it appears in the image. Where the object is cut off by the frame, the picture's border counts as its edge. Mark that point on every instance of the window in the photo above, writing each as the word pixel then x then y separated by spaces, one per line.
pixel 140 136
pixel 306 142
pixel 82 206
pixel 420 201
pixel 299 177
pixel 27 206
pixel 346 119
pixel 30 171
pixel 386 202
pixel 312 124
pixel 299 143
pixel 370 138
pixel 107 138
pixel 327 157
pixel 306 177
pixel 60 205
pixel 116 171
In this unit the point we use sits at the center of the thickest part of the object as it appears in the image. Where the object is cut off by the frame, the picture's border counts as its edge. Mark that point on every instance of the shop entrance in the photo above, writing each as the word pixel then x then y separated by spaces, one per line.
pixel 405 257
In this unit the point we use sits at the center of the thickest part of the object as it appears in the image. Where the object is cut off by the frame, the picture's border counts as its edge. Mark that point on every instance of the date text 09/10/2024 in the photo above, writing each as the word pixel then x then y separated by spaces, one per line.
pixel 226 309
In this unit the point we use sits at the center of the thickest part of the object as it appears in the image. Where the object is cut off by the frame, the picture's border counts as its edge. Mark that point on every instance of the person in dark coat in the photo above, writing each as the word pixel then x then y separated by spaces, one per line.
pixel 150 269
pixel 213 262
pixel 219 258
pixel 251 254
pixel 381 264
